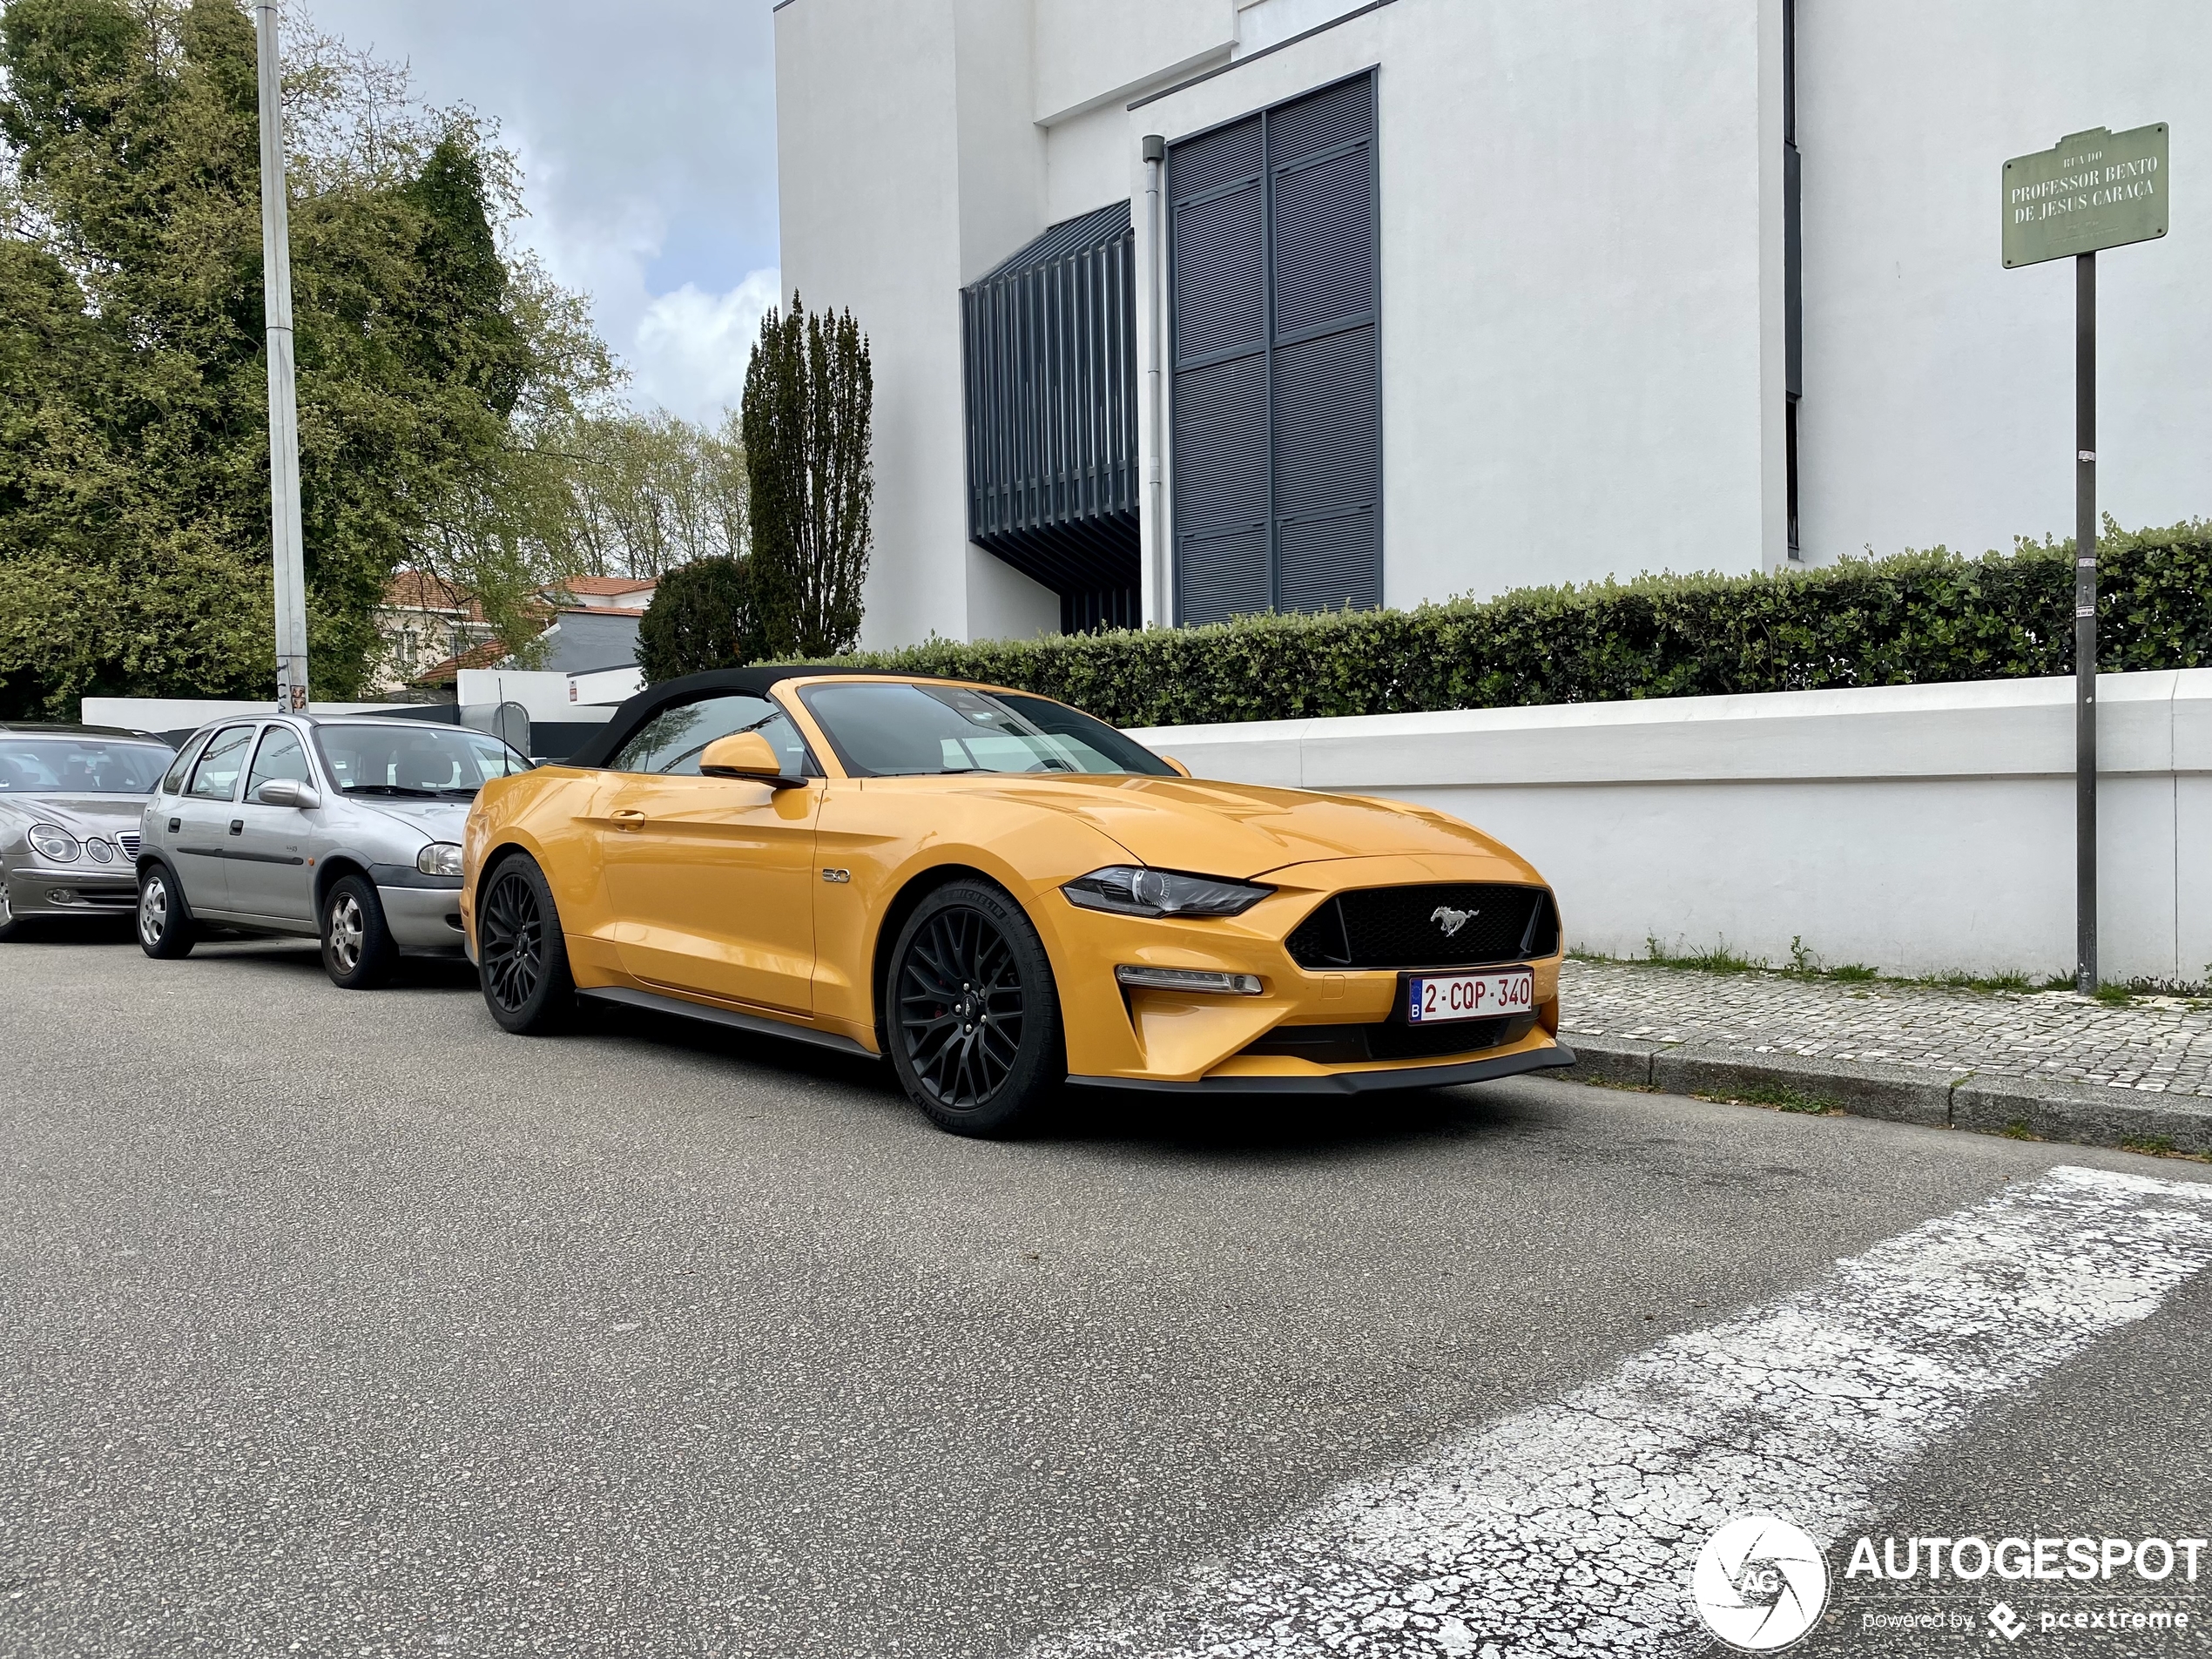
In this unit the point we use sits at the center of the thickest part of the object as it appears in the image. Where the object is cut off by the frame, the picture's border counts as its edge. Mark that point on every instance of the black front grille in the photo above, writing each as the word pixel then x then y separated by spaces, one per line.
pixel 1400 926
pixel 1327 1045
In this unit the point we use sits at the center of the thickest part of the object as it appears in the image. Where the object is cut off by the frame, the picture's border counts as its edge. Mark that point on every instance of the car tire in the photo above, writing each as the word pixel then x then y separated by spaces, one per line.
pixel 164 926
pixel 357 949
pixel 522 956
pixel 971 1013
pixel 11 924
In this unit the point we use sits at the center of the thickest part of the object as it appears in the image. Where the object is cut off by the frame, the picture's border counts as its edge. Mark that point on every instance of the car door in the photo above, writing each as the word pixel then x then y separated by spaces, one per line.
pixel 710 880
pixel 270 846
pixel 199 820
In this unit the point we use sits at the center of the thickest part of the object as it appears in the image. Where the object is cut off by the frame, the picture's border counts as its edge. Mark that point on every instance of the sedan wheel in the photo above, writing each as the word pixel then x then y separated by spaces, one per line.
pixel 358 951
pixel 523 960
pixel 975 1016
pixel 9 926
pixel 165 931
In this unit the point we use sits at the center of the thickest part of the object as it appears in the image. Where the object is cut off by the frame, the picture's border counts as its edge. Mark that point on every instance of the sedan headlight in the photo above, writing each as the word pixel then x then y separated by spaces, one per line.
pixel 51 842
pixel 439 858
pixel 1127 890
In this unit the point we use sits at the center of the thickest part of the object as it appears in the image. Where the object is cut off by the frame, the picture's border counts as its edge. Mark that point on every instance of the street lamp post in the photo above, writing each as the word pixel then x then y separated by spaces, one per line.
pixel 284 408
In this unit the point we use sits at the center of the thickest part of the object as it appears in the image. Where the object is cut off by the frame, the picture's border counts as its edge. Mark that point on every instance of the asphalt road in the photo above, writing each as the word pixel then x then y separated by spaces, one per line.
pixel 346 1324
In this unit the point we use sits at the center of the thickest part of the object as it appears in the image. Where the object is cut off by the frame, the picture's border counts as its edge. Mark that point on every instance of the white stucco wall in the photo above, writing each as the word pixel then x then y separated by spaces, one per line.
pixel 1580 239
pixel 1916 828
pixel 909 165
pixel 1938 398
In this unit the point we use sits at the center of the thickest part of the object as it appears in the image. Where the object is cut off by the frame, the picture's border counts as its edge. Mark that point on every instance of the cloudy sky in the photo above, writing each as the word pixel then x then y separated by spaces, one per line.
pixel 647 141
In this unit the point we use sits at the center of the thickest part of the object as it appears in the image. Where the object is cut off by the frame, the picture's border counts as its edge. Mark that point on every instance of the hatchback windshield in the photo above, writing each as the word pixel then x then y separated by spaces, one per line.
pixel 890 729
pixel 79 766
pixel 436 763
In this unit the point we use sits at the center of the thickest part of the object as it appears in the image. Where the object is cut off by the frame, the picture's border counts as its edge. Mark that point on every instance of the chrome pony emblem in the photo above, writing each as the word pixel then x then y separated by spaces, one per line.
pixel 1452 921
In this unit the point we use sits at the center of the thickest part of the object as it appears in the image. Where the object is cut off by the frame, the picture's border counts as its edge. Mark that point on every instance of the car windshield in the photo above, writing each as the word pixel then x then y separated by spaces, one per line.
pixel 892 729
pixel 430 762
pixel 79 766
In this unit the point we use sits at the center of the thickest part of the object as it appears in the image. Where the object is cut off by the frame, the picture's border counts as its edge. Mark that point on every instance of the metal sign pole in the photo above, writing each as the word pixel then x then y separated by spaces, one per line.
pixel 2085 622
pixel 284 410
pixel 2093 189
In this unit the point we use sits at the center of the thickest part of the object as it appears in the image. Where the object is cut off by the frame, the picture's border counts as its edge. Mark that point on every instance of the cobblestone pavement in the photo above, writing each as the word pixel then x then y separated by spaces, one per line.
pixel 2162 1044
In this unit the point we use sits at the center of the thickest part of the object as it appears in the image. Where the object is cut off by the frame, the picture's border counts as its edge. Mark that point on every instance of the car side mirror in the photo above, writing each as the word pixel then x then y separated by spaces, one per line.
pixel 1181 770
pixel 289 791
pixel 750 756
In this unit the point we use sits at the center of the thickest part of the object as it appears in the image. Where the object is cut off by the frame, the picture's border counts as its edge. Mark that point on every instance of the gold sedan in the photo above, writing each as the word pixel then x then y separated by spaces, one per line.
pixel 1000 893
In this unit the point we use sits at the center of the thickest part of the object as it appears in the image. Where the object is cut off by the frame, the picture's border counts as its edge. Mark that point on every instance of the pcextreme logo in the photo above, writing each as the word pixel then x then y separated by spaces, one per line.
pixel 1760 1583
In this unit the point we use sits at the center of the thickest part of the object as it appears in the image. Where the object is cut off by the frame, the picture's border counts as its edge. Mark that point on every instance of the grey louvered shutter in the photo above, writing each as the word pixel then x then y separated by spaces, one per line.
pixel 1328 439
pixel 1220 433
pixel 1277 424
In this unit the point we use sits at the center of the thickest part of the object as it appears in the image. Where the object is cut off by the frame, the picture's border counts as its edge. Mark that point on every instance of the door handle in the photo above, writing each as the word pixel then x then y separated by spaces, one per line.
pixel 628 818
pixel 238 826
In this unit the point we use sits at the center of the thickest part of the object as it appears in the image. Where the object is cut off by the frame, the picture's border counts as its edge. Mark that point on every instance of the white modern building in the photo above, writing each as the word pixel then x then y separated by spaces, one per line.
pixel 1454 296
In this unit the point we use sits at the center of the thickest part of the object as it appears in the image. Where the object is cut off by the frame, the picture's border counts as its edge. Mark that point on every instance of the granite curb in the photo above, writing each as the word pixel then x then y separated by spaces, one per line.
pixel 2046 1109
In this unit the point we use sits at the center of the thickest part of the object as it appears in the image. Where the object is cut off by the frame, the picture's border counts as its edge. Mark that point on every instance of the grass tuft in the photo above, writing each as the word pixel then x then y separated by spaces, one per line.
pixel 2019 1131
pixel 1717 959
pixel 1780 1096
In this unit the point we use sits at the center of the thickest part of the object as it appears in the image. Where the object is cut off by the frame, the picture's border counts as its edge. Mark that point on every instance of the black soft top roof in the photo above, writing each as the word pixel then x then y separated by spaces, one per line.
pixel 716 682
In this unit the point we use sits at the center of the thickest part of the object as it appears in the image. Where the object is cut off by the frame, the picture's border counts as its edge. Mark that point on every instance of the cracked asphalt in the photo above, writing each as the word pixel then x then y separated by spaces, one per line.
pixel 346 1324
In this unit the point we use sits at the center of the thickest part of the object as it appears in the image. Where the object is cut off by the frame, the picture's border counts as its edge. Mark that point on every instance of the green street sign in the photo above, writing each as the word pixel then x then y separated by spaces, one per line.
pixel 2091 190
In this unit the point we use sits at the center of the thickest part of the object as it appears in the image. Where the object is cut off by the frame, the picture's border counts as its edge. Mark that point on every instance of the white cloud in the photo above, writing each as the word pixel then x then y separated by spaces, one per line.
pixel 690 347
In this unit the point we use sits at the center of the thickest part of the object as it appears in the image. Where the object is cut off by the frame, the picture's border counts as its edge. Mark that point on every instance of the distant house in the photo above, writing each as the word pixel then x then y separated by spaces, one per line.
pixel 425 622
pixel 589 623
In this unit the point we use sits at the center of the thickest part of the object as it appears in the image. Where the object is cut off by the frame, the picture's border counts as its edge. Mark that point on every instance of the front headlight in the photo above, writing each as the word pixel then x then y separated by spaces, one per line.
pixel 1127 890
pixel 439 858
pixel 53 843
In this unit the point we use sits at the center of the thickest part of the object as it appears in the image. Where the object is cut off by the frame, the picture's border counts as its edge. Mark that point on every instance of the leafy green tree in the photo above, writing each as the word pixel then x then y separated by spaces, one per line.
pixel 701 618
pixel 809 392
pixel 134 527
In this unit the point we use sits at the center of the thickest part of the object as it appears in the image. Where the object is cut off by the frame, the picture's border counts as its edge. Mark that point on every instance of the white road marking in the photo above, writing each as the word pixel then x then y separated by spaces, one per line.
pixel 1570 1528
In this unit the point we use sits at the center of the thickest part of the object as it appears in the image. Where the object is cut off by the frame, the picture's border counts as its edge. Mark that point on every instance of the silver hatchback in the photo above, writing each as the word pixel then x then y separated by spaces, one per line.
pixel 342 828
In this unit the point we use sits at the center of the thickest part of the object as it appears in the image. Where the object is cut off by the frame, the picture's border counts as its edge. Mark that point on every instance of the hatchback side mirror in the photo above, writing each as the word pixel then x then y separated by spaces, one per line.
pixel 750 756
pixel 289 791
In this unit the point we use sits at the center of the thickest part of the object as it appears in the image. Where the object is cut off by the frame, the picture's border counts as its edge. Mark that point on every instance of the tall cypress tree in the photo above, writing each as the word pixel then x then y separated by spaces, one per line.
pixel 809 395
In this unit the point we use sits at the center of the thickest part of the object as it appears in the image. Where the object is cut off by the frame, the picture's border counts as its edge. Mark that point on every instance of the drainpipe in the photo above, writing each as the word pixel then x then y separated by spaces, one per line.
pixel 1156 155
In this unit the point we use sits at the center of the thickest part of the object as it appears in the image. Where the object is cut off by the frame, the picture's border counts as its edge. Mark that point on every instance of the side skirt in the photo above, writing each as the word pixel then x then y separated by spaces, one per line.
pixel 624 997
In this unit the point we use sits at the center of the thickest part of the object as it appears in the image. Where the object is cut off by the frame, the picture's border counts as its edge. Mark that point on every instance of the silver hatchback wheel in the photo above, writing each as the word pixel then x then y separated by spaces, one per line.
pixel 153 910
pixel 347 929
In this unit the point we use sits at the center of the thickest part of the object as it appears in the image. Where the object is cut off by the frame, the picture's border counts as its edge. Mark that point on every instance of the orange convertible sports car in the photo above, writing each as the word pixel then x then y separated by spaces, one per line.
pixel 1000 893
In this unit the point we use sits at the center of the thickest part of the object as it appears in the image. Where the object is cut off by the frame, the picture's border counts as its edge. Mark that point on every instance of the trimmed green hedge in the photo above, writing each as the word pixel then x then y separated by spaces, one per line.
pixel 1919 617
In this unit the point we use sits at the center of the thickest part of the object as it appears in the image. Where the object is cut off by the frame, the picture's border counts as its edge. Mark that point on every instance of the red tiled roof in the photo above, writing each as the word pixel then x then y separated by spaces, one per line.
pixel 420 590
pixel 489 654
pixel 606 587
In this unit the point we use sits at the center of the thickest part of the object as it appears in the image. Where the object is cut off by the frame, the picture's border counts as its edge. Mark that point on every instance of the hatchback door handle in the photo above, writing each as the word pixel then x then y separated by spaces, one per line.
pixel 628 818
pixel 238 826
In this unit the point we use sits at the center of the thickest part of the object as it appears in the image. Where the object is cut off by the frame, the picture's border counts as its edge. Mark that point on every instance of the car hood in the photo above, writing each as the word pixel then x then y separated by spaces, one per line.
pixel 436 820
pixel 1245 830
pixel 81 815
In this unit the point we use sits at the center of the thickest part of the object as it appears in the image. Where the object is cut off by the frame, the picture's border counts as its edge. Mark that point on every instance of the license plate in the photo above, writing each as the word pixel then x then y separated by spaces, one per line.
pixel 1433 998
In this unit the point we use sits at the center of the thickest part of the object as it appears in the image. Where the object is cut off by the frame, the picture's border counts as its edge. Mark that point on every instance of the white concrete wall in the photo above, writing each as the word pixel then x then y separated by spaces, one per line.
pixel 909 165
pixel 1581 326
pixel 1916 828
pixel 1938 397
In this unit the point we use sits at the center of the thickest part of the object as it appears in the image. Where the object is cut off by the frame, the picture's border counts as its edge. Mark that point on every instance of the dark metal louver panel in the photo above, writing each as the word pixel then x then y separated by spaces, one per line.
pixel 1221 275
pixel 1324 245
pixel 1049 342
pixel 1277 420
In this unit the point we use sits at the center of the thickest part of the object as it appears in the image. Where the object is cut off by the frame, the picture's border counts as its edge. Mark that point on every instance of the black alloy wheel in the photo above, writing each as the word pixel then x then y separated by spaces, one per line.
pixel 522 961
pixel 974 1019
